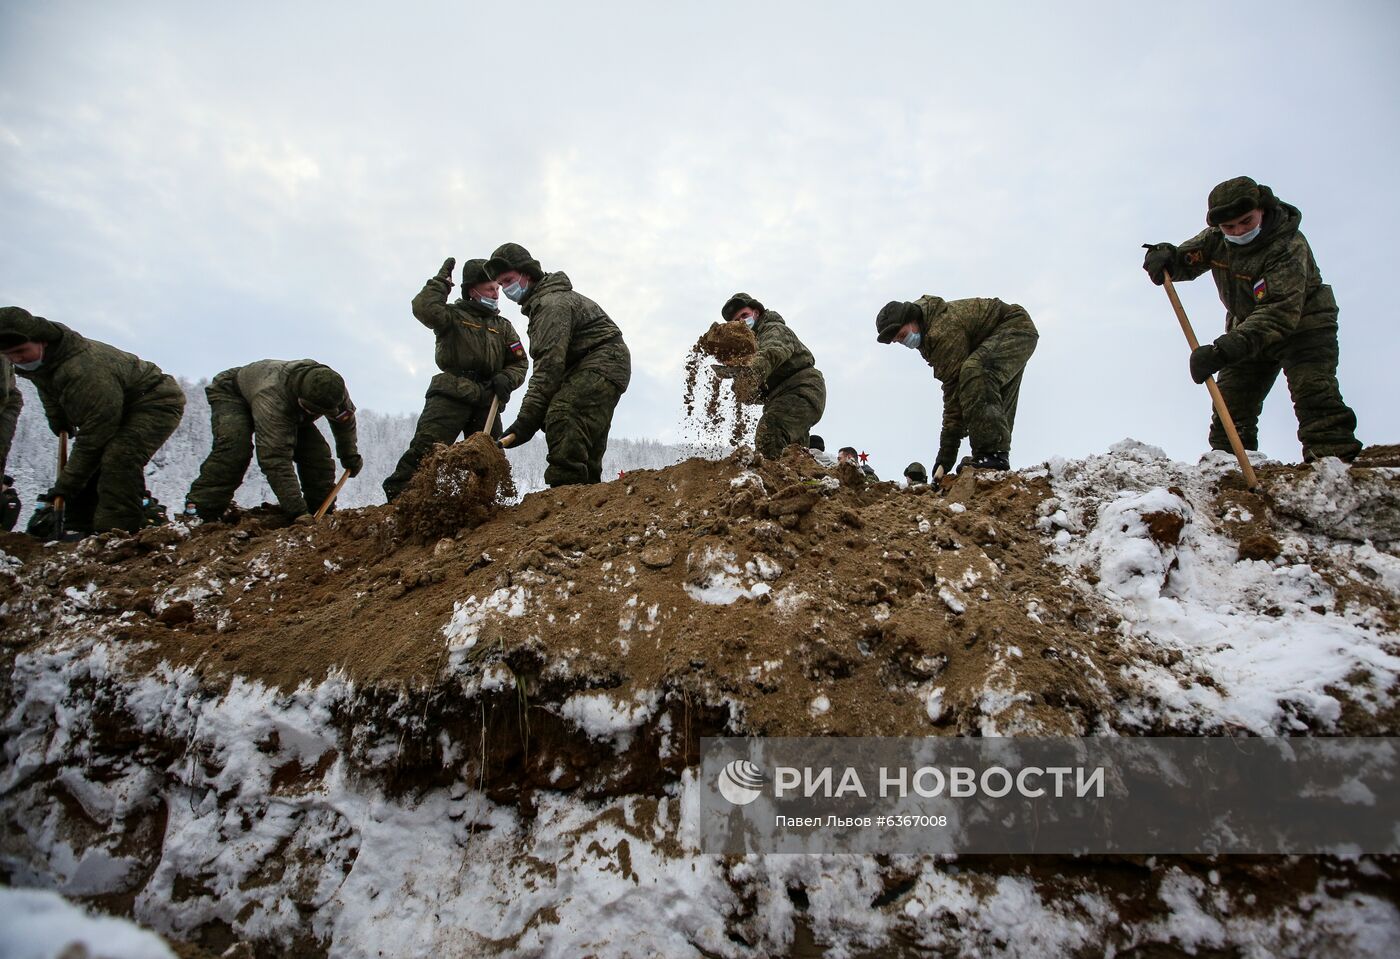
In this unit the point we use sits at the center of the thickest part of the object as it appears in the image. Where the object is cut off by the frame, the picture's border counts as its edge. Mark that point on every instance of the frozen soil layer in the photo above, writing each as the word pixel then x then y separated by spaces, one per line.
pixel 343 742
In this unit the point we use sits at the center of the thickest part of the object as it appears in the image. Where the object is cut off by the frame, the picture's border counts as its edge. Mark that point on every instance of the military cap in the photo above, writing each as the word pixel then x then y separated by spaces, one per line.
pixel 323 390
pixel 512 256
pixel 18 326
pixel 892 318
pixel 815 442
pixel 736 303
pixel 474 272
pixel 916 473
pixel 1234 198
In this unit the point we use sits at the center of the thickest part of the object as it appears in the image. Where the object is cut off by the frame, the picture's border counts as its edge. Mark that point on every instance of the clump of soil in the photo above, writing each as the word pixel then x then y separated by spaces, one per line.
pixel 712 408
pixel 457 486
pixel 728 343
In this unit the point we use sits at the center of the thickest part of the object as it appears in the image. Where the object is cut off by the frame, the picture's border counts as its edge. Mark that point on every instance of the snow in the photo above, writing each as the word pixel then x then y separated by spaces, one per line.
pixel 38 924
pixel 1268 634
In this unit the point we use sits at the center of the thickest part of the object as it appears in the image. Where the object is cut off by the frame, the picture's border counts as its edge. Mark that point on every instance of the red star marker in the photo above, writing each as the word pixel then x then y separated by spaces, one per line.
pixel 864 457
pixel 620 474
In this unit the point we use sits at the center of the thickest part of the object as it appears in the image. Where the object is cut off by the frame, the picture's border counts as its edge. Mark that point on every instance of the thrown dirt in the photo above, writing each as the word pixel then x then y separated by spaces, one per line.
pixel 713 407
pixel 457 486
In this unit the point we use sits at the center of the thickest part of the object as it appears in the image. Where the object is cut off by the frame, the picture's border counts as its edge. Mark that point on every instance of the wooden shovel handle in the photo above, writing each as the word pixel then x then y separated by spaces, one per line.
pixel 1250 480
pixel 345 475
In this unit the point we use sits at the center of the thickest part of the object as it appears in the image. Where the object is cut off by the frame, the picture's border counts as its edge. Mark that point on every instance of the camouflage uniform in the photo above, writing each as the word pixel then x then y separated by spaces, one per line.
pixel 120 409
pixel 790 388
pixel 978 349
pixel 1279 316
pixel 11 402
pixel 581 369
pixel 474 344
pixel 260 401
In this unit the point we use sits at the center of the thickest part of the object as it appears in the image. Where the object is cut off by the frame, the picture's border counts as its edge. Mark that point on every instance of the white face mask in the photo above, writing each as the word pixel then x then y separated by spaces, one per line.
pixel 493 305
pixel 749 321
pixel 30 367
pixel 1243 238
pixel 515 290
pixel 913 340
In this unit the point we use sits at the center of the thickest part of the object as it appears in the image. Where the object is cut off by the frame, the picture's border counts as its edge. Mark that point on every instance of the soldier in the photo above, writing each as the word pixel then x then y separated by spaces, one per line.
pixel 582 367
pixel 848 454
pixel 11 402
pixel 915 474
pixel 978 349
pixel 279 402
pixel 156 514
pixel 119 407
pixel 10 506
pixel 816 446
pixel 1279 315
pixel 782 377
pixel 480 356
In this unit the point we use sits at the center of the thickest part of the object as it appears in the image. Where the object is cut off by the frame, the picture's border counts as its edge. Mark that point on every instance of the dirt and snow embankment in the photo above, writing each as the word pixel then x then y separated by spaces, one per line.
pixel 345 742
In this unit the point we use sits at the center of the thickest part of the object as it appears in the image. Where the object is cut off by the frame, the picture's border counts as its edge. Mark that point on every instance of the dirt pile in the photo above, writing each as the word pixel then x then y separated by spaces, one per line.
pixel 457 486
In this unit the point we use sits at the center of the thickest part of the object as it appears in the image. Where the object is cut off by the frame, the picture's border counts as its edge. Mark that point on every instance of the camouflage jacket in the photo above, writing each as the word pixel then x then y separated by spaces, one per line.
pixel 11 402
pixel 952 330
pixel 270 388
pixel 87 387
pixel 781 355
pixel 1271 287
pixel 473 344
pixel 568 332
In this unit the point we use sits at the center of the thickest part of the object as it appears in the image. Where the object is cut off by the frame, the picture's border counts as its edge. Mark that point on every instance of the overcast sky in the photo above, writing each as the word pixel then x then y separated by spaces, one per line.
pixel 207 186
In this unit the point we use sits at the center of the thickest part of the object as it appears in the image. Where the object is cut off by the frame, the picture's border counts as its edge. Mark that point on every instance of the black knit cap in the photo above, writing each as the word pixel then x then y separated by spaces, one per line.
pixel 892 318
pixel 736 303
pixel 512 256
pixel 1235 197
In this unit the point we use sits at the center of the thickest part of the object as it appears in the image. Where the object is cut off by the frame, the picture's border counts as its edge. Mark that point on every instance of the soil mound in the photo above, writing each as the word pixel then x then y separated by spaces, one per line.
pixel 457 486
pixel 728 342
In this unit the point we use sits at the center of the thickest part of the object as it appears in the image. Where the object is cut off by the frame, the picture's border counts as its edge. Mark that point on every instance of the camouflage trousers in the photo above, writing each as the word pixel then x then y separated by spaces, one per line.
pixel 1326 425
pixel 989 388
pixel 576 426
pixel 790 412
pixel 443 420
pixel 221 473
pixel 112 497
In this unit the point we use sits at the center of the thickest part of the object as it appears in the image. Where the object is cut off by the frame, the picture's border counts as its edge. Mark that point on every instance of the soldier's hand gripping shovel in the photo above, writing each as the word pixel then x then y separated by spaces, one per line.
pixel 1250 480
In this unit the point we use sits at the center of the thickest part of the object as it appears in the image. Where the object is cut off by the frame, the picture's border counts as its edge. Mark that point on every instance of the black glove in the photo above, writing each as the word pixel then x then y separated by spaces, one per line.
pixel 947 455
pixel 500 383
pixel 522 432
pixel 445 274
pixel 1158 260
pixel 49 495
pixel 1205 360
pixel 354 463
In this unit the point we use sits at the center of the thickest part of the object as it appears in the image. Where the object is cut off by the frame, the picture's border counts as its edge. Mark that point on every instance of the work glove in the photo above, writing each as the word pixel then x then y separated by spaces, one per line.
pixel 445 274
pixel 523 432
pixel 305 519
pixel 947 454
pixel 1206 360
pixel 49 495
pixel 500 384
pixel 1158 260
pixel 354 463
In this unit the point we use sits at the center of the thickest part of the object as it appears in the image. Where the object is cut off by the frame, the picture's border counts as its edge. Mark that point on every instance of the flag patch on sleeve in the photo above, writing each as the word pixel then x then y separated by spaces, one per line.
pixel 517 349
pixel 1261 289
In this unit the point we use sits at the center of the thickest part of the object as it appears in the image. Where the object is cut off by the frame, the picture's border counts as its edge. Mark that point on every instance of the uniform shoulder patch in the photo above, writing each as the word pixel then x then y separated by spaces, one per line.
pixel 1194 257
pixel 1261 289
pixel 517 349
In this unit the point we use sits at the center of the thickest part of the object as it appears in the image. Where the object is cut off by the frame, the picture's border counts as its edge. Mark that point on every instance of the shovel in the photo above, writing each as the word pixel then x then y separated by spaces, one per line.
pixel 335 491
pixel 58 500
pixel 1250 480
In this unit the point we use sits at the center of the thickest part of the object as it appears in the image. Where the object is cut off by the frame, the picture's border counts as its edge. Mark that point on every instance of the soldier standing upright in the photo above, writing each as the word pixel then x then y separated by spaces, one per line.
pixel 978 349
pixel 118 407
pixel 782 377
pixel 582 367
pixel 277 402
pixel 1279 315
pixel 480 356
